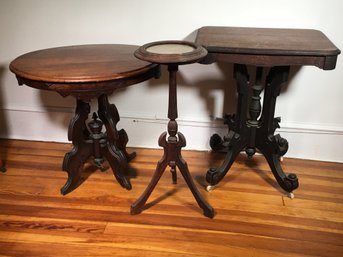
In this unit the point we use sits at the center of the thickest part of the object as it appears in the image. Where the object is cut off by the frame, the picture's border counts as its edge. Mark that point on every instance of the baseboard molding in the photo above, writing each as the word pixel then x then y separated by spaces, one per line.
pixel 306 141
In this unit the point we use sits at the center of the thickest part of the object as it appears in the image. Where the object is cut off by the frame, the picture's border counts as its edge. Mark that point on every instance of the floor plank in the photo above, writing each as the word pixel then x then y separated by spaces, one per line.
pixel 254 217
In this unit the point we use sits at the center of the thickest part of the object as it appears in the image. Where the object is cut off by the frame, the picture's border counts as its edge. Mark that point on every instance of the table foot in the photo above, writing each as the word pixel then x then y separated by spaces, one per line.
pixel 287 182
pixel 72 163
pixel 234 145
pixel 273 148
pixel 72 182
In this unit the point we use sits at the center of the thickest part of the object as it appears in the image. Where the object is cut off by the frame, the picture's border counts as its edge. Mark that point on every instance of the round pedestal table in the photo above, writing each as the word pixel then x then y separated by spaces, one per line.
pixel 173 54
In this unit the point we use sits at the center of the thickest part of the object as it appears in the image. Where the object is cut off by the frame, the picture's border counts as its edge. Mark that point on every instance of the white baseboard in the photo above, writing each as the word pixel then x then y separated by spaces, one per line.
pixel 306 141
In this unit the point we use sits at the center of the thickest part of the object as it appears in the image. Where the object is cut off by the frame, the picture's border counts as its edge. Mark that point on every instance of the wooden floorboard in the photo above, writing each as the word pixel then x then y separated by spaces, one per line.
pixel 254 217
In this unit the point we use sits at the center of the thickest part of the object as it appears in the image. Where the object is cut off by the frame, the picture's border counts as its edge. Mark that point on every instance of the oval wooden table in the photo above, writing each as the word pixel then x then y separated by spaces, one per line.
pixel 88 72
pixel 173 54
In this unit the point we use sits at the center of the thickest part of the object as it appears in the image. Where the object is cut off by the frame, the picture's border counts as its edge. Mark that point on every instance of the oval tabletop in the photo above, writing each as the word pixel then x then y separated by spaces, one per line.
pixel 80 64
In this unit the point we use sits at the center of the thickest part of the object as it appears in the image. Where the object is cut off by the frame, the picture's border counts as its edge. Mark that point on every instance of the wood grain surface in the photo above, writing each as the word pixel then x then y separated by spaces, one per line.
pixel 267 41
pixel 268 46
pixel 253 216
pixel 80 63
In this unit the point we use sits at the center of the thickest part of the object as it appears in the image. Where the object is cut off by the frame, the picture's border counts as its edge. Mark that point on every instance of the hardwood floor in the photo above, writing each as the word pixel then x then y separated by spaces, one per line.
pixel 254 217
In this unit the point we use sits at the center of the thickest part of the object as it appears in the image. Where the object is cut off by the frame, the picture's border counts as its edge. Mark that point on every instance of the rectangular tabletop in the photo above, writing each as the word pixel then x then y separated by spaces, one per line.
pixel 268 47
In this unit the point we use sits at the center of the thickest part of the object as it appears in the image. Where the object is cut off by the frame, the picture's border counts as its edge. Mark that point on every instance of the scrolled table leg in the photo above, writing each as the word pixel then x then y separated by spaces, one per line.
pixel 122 142
pixel 287 182
pixel 82 149
pixel 108 113
pixel 215 175
pixel 274 146
pixel 114 149
pixel 118 164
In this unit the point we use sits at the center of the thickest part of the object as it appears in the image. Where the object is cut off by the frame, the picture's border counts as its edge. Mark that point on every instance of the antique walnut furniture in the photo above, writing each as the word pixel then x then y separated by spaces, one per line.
pixel 269 50
pixel 88 72
pixel 173 54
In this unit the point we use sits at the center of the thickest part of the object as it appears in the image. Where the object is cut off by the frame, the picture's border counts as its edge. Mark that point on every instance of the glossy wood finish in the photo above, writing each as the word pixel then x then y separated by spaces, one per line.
pixel 84 71
pixel 268 47
pixel 252 218
pixel 88 72
pixel 272 51
pixel 173 141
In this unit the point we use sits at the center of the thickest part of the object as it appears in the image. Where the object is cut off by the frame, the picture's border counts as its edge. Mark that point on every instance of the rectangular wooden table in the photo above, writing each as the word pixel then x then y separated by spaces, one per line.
pixel 252 127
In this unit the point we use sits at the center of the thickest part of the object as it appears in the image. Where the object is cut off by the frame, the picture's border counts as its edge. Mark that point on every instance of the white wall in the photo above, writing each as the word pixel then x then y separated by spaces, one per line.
pixel 310 105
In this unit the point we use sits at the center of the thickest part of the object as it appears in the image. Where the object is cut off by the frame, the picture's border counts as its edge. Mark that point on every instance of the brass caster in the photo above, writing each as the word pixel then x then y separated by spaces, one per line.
pixel 291 195
pixel 210 188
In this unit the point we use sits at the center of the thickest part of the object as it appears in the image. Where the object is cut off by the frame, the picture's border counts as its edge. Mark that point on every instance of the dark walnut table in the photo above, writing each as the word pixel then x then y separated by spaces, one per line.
pixel 272 52
pixel 88 72
pixel 172 54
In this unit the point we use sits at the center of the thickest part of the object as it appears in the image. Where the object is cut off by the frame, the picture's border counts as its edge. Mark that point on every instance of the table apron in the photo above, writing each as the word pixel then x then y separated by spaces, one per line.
pixel 322 62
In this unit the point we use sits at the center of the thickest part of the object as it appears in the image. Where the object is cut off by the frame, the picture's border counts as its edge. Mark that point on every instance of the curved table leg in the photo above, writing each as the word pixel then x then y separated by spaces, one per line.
pixel 273 149
pixel 81 149
pixel 108 113
pixel 237 137
pixel 122 142
pixel 118 163
pixel 72 163
pixel 215 175
pixel 183 167
pixel 138 205
pixel 274 146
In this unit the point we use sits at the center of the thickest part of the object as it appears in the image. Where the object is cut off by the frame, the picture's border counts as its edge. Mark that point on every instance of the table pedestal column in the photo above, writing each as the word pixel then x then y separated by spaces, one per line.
pixel 110 145
pixel 250 132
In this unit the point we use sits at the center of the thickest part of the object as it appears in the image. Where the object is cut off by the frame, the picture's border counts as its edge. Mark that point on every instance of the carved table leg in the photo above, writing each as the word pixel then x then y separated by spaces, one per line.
pixel 115 148
pixel 82 149
pixel 235 146
pixel 236 140
pixel 95 143
pixel 172 155
pixel 108 113
pixel 274 146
